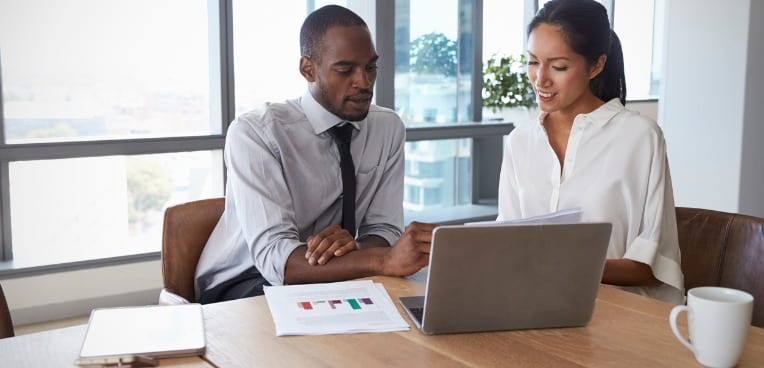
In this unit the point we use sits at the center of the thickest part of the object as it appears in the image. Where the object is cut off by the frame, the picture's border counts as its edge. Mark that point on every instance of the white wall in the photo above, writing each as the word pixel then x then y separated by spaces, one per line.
pixel 710 99
pixel 74 293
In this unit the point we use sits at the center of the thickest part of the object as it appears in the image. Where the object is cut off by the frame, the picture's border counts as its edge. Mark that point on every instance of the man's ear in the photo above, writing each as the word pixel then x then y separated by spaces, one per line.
pixel 598 66
pixel 308 69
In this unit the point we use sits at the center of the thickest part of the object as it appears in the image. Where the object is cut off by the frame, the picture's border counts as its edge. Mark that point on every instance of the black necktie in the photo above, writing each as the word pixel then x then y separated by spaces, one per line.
pixel 342 135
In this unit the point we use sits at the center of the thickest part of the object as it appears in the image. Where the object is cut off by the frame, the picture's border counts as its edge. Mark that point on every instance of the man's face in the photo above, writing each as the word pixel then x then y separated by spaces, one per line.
pixel 341 78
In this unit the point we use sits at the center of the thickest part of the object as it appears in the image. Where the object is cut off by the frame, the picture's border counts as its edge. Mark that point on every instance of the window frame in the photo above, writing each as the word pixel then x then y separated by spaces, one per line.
pixel 222 107
pixel 486 148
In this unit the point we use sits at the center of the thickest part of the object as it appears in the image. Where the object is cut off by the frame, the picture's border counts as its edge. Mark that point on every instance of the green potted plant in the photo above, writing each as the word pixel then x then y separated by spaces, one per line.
pixel 506 85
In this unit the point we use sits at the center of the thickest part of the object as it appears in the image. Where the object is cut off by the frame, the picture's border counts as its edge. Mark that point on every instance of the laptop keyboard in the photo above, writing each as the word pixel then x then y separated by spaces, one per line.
pixel 417 313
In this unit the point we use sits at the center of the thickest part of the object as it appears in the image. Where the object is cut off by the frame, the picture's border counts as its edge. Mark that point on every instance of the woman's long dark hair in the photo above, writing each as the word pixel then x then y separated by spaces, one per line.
pixel 586 27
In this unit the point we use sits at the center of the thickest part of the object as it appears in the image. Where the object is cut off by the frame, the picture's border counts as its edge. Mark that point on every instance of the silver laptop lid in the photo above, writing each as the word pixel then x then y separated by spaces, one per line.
pixel 484 278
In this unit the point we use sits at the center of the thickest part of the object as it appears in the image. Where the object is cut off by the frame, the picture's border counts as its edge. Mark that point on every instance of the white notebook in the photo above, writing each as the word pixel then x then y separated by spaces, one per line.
pixel 146 331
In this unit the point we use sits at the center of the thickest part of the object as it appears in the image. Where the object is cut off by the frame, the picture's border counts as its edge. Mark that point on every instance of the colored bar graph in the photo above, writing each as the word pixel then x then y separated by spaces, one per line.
pixel 354 304
pixel 305 305
pixel 332 303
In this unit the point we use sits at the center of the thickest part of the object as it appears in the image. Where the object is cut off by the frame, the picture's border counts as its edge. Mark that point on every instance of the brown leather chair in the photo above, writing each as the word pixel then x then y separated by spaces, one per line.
pixel 6 324
pixel 187 227
pixel 723 249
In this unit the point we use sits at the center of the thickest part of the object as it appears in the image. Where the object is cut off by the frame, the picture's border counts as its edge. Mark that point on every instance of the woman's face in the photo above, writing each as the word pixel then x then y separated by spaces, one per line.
pixel 559 75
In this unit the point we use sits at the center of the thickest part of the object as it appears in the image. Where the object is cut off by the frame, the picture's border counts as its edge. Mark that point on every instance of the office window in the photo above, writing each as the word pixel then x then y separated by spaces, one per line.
pixel 110 115
pixel 503 28
pixel 92 70
pixel 433 86
pixel 433 196
pixel 412 194
pixel 266 39
pixel 639 25
pixel 99 207
pixel 504 36
pixel 432 68
pixel 441 171
pixel 266 61
pixel 112 111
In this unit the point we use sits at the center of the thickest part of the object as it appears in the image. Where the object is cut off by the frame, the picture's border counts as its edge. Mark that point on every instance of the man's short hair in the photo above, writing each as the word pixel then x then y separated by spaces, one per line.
pixel 319 21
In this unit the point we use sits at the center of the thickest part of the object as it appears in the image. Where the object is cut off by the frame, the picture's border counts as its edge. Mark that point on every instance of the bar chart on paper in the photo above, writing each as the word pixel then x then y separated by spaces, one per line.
pixel 342 307
pixel 342 304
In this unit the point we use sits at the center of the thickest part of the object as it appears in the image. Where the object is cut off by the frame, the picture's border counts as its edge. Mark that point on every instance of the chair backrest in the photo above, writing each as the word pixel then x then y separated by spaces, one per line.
pixel 723 249
pixel 187 227
pixel 6 324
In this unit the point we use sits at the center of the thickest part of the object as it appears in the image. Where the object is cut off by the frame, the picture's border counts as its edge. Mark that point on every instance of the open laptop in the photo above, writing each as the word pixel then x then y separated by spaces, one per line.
pixel 510 277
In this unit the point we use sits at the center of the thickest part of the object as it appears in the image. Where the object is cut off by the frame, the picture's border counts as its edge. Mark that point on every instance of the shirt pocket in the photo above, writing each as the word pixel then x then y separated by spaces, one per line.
pixel 366 173
pixel 367 166
pixel 367 184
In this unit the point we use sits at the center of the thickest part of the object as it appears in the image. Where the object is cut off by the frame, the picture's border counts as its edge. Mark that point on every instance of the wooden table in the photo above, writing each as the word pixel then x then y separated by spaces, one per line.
pixel 627 330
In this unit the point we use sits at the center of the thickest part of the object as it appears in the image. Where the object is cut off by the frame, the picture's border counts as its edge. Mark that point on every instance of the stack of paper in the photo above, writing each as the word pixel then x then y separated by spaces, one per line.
pixel 340 307
pixel 566 216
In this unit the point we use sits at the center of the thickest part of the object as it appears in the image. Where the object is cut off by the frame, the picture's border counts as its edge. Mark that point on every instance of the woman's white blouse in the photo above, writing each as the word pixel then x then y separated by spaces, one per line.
pixel 616 171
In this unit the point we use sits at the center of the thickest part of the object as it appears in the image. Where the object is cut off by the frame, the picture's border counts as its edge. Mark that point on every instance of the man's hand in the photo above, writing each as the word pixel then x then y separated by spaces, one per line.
pixel 334 241
pixel 407 256
pixel 411 252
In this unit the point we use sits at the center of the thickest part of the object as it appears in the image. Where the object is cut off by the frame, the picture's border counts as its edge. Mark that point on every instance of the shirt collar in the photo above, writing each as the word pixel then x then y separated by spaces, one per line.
pixel 605 113
pixel 319 118
pixel 599 117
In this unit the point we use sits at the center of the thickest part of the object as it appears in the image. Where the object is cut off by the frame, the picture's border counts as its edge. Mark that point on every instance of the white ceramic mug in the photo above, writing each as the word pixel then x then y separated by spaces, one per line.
pixel 718 321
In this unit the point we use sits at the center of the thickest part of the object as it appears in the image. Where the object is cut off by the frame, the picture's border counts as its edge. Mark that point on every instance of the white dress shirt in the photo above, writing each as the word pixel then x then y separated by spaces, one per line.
pixel 616 171
pixel 284 184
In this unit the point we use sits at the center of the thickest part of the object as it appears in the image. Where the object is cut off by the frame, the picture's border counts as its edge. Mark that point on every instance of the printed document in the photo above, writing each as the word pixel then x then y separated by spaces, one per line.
pixel 333 308
pixel 566 216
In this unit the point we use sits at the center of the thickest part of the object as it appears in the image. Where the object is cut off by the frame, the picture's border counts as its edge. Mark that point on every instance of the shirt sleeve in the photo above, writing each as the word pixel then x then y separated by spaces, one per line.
pixel 263 204
pixel 384 217
pixel 509 198
pixel 657 243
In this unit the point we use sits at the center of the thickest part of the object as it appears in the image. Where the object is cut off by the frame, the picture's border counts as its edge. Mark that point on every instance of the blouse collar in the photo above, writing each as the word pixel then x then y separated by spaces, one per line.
pixel 599 117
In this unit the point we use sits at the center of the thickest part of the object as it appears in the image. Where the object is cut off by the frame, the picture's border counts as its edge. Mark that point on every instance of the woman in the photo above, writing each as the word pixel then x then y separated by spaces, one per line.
pixel 588 151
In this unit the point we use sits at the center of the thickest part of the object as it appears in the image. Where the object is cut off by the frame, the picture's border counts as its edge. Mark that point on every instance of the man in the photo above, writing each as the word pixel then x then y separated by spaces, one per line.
pixel 284 193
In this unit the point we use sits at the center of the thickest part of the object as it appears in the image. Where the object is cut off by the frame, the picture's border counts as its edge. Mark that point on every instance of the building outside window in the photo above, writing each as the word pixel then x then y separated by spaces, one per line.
pixel 433 86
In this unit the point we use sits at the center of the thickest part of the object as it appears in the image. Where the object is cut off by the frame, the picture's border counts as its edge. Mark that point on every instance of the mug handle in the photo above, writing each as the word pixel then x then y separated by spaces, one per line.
pixel 672 320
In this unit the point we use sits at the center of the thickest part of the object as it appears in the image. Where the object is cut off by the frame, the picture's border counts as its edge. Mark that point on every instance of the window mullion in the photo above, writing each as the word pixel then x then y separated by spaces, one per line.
pixel 2 115
pixel 6 250
pixel 50 151
pixel 385 43
pixel 221 73
pixel 457 131
pixel 477 61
